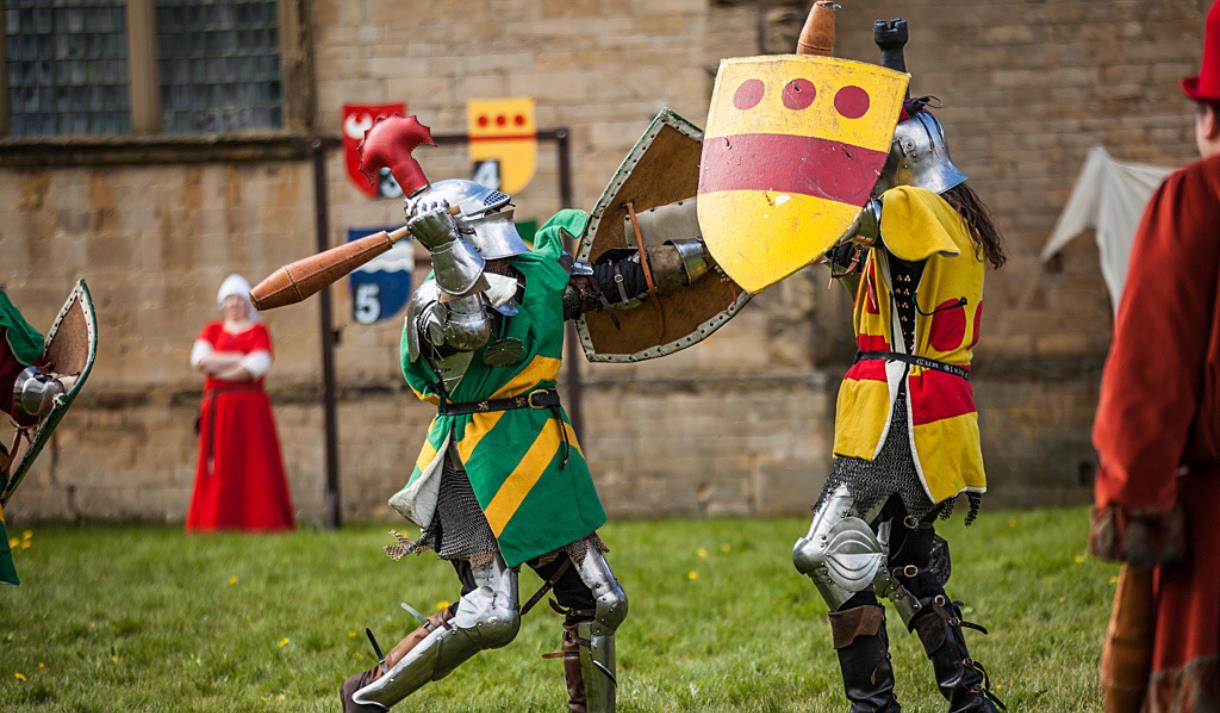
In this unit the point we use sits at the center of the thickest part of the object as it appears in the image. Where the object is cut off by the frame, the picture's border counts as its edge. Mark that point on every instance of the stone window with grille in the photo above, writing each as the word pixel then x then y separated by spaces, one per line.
pixel 66 63
pixel 167 67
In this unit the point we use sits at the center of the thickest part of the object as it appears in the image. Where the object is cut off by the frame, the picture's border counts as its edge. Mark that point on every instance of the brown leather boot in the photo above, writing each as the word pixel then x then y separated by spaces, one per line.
pixel 400 650
pixel 864 658
pixel 577 699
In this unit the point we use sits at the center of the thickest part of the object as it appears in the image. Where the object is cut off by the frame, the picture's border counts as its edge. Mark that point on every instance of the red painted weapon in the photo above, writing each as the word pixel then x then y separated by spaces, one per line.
pixel 387 145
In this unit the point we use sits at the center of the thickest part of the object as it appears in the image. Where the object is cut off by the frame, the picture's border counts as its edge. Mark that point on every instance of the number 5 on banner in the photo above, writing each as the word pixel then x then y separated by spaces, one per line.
pixel 366 308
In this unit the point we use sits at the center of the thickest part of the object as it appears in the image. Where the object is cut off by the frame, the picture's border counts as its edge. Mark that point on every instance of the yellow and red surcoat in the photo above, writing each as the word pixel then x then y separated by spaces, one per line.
pixel 917 224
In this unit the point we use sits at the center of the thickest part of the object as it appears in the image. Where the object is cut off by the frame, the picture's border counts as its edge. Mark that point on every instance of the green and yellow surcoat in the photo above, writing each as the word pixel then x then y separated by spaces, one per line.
pixel 533 501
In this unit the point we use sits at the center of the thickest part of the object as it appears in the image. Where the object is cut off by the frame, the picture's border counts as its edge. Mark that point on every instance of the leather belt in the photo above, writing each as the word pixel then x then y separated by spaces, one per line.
pixel 538 398
pixel 919 361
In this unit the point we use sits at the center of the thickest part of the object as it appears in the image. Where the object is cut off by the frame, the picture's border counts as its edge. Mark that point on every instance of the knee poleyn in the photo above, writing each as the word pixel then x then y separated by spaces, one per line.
pixel 807 557
pixel 611 607
pixel 497 627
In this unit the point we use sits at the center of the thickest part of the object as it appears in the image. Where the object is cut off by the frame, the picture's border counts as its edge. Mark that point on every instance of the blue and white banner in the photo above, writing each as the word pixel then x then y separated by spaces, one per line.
pixel 380 288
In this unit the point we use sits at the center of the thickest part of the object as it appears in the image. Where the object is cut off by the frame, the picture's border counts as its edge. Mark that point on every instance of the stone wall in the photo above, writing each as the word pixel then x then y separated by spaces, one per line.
pixel 734 426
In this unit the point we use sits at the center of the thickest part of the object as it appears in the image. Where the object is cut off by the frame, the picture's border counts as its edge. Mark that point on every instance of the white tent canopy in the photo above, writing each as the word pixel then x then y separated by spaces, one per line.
pixel 1109 197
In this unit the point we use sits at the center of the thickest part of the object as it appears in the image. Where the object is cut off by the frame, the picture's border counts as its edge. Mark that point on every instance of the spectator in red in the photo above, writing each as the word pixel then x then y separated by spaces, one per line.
pixel 1157 434
pixel 239 481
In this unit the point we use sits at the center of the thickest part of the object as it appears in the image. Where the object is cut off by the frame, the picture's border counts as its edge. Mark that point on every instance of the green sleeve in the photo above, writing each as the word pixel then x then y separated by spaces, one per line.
pixel 548 241
pixel 25 341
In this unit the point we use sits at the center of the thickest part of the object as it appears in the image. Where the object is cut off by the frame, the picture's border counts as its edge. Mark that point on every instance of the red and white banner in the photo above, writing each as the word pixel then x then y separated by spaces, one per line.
pixel 357 119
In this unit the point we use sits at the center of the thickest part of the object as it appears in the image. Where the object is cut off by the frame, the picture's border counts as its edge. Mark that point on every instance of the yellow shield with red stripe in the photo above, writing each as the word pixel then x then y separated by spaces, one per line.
pixel 792 150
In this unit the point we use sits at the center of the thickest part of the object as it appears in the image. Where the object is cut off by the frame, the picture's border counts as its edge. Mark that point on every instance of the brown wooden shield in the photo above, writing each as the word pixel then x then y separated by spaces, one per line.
pixel 659 179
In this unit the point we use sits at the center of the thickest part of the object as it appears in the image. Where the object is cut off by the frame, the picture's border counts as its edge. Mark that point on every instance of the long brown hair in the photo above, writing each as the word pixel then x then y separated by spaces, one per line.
pixel 988 242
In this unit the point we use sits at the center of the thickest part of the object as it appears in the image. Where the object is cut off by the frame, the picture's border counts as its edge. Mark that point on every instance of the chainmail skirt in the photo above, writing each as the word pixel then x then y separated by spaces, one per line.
pixel 459 529
pixel 891 473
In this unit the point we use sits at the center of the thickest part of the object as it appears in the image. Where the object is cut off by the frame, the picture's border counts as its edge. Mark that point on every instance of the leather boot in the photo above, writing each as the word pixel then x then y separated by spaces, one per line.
pixel 401 649
pixel 962 680
pixel 864 657
pixel 578 700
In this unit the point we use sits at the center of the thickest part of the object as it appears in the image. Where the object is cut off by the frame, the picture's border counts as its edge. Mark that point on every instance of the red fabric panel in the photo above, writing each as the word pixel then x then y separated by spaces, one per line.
pixel 245 488
pixel 936 395
pixel 948 326
pixel 10 367
pixel 1188 605
pixel 210 331
pixel 871 343
pixel 260 339
pixel 1160 404
pixel 868 370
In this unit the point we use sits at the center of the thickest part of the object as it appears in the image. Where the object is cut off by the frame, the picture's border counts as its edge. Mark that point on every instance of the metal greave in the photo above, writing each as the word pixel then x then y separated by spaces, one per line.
pixel 486 618
pixel 610 609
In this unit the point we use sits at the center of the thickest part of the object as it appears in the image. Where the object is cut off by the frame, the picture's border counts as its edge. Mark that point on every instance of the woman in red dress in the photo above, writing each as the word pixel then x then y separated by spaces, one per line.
pixel 239 482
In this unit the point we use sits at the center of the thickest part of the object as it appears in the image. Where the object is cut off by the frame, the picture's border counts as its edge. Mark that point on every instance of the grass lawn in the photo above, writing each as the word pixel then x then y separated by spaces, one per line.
pixel 134 618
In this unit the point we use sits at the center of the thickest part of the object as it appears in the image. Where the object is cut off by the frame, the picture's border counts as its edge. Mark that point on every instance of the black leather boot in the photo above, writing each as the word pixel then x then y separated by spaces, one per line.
pixel 962 680
pixel 864 657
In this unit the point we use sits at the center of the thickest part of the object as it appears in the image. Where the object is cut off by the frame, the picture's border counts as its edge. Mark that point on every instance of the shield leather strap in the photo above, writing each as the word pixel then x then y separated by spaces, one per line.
pixel 913 360
pixel 652 287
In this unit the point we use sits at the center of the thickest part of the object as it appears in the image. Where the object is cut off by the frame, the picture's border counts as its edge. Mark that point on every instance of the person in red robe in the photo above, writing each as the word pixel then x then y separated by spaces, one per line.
pixel 239 481
pixel 1157 434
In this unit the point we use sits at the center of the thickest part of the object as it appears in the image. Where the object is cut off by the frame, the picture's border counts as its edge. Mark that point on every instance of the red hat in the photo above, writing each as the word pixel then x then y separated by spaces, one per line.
pixel 1206 86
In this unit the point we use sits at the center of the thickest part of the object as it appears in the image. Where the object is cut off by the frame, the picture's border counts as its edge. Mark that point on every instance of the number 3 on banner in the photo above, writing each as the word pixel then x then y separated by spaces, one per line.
pixel 367 307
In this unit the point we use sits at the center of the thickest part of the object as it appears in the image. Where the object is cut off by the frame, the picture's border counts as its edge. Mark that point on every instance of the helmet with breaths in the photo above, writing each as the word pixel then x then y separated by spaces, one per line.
pixel 485 216
pixel 919 156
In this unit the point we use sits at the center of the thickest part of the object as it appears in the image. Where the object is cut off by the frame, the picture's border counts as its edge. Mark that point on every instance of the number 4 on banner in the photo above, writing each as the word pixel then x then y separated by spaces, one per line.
pixel 487 174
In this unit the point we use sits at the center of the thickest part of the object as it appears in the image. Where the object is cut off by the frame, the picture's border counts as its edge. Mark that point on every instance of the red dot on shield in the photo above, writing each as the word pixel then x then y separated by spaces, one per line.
pixel 749 94
pixel 501 120
pixel 519 120
pixel 852 102
pixel 483 120
pixel 798 94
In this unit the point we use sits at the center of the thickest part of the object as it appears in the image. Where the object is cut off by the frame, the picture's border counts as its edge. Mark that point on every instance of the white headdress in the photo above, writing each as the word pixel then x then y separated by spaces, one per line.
pixel 236 285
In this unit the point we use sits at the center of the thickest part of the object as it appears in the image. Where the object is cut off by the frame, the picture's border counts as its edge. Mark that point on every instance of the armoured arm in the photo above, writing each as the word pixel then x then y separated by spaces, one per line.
pixel 454 311
pixel 35 391
pixel 619 283
pixel 446 325
pixel 458 267
pixel 847 257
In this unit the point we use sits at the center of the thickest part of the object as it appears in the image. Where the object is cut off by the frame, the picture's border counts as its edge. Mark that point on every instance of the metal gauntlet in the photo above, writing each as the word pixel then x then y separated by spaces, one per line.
pixel 456 263
pixel 866 228
pixel 35 390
